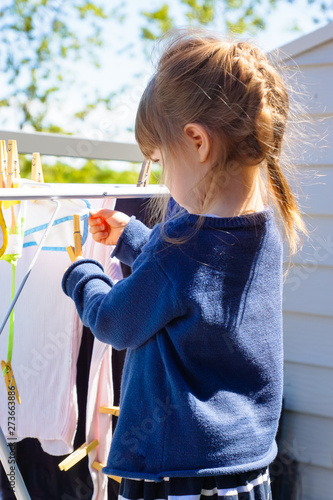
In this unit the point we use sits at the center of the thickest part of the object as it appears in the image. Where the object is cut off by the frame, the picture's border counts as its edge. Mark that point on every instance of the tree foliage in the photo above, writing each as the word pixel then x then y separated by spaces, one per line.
pixel 39 41
pixel 231 16
pixel 91 172
pixel 42 41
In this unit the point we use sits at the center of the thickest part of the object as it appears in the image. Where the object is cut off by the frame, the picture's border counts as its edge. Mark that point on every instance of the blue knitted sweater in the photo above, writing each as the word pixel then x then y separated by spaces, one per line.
pixel 202 382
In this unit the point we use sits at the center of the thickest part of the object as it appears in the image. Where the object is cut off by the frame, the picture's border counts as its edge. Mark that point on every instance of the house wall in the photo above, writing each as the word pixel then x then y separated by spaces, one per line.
pixel 307 432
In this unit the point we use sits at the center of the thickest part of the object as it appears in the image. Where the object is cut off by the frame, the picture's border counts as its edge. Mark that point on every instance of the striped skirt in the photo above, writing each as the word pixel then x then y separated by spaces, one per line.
pixel 254 485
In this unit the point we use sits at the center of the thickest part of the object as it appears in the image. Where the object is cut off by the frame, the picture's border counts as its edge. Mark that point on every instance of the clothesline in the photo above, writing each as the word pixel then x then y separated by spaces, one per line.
pixel 89 191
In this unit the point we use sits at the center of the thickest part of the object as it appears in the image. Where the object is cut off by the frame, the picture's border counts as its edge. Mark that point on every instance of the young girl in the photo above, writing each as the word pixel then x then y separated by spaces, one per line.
pixel 200 315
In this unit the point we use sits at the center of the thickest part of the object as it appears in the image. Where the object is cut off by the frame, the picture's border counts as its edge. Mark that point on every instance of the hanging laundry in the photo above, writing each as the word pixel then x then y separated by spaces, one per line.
pixel 4 232
pixel 49 329
pixel 13 214
pixel 44 354
pixel 12 218
pixel 46 349
pixel 38 215
pixel 100 387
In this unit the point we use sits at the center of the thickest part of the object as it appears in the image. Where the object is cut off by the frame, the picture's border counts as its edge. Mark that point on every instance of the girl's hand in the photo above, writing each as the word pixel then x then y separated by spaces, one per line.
pixel 106 225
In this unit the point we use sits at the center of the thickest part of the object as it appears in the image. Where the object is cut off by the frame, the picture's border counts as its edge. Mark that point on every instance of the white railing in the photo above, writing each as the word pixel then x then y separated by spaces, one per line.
pixel 77 147
pixel 72 146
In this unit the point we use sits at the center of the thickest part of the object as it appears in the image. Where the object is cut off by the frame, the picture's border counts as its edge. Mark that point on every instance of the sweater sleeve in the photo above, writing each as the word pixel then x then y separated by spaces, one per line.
pixel 128 313
pixel 130 243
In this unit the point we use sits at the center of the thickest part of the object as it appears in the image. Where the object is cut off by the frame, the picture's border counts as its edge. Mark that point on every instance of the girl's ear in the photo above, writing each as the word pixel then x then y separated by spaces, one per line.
pixel 198 139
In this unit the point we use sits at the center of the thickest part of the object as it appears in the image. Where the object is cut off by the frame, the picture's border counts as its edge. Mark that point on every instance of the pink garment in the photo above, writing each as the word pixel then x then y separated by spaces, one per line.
pixel 100 389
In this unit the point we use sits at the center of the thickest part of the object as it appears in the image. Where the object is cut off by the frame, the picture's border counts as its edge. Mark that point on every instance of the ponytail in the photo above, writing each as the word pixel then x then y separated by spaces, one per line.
pixel 270 127
pixel 285 202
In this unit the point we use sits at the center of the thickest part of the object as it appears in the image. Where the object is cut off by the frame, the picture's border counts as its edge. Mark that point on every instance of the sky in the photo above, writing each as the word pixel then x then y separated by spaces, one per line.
pixel 123 57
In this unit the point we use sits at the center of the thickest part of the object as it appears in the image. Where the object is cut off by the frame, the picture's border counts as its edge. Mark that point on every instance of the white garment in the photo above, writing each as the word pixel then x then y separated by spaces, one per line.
pixel 44 355
pixel 26 222
pixel 38 215
pixel 45 349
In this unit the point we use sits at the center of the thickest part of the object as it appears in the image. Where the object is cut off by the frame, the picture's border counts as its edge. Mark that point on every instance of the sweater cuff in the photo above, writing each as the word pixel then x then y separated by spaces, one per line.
pixel 131 241
pixel 70 278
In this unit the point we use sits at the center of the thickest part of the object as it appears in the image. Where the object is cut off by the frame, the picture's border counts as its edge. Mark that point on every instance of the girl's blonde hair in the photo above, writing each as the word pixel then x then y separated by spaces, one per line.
pixel 231 89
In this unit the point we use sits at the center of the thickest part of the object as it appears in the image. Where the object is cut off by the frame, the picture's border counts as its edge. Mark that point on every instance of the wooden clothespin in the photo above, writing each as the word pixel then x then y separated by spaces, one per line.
pixel 77 236
pixel 10 382
pixel 5 155
pixel 36 168
pixel 10 164
pixel 111 410
pixel 143 180
pixel 77 455
pixel 98 466
pixel 77 250
pixel 3 164
pixel 16 161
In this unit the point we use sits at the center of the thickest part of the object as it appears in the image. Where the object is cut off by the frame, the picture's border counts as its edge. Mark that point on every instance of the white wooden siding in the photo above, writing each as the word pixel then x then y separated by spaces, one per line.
pixel 309 390
pixel 308 437
pixel 317 483
pixel 318 249
pixel 322 54
pixel 304 338
pixel 316 148
pixel 314 187
pixel 307 432
pixel 313 86
pixel 308 289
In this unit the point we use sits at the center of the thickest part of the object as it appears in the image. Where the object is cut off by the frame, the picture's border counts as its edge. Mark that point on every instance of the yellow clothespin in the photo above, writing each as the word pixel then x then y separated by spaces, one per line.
pixel 4 230
pixel 77 455
pixel 77 250
pixel 3 173
pixel 10 379
pixel 5 155
pixel 3 164
pixel 77 236
pixel 71 253
pixel 111 410
pixel 36 168
pixel 98 466
pixel 10 164
pixel 16 161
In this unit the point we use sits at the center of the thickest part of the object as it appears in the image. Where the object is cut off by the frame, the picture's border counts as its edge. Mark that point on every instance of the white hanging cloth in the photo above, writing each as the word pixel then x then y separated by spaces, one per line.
pixel 45 347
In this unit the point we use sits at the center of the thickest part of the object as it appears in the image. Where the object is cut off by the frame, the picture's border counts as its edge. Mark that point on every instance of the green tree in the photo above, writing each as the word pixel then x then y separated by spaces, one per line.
pixel 42 41
pixel 236 16
pixel 39 42
pixel 91 172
